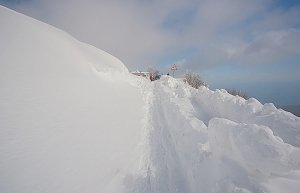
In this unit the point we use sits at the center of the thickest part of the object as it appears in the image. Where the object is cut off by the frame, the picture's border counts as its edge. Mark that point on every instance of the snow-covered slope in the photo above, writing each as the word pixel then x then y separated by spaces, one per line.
pixel 72 119
pixel 69 119
pixel 211 141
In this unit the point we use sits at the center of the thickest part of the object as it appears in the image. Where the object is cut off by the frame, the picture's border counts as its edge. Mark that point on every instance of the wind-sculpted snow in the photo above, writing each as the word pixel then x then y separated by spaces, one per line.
pixel 221 104
pixel 70 116
pixel 210 141
pixel 72 119
pixel 253 146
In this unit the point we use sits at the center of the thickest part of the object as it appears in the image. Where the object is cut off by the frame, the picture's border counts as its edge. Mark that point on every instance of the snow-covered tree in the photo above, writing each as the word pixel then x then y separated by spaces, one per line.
pixel 193 79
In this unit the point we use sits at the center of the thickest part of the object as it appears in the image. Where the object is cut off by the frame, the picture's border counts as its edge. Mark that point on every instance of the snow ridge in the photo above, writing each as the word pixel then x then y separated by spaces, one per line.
pixel 195 146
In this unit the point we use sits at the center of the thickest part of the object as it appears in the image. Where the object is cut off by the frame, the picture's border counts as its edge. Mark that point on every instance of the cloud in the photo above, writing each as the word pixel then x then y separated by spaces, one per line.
pixel 250 33
pixel 272 46
pixel 144 33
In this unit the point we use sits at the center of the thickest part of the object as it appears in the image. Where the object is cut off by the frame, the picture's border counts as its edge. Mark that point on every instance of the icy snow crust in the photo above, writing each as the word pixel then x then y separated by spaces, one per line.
pixel 72 119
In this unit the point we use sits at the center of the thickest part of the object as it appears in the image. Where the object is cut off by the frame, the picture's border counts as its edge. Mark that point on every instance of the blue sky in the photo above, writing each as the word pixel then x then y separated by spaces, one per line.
pixel 252 45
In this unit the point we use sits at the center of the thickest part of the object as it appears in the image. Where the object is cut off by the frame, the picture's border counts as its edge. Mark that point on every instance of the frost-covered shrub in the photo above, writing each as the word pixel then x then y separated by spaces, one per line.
pixel 193 79
pixel 240 93
pixel 154 74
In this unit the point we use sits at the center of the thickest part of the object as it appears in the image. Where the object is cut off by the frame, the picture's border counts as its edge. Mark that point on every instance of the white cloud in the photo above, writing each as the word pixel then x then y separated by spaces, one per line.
pixel 142 32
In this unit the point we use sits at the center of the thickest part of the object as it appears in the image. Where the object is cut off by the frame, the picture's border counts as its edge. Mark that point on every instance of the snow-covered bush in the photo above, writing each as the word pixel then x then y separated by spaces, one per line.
pixel 154 74
pixel 193 79
pixel 240 93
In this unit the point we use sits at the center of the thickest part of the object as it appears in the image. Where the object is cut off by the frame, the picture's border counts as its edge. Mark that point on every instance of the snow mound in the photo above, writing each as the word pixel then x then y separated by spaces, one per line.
pixel 72 119
pixel 211 141
pixel 65 124
pixel 254 147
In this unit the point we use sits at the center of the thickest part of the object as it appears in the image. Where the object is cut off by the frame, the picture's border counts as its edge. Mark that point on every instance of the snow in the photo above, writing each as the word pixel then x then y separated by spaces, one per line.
pixel 73 119
pixel 65 126
pixel 210 141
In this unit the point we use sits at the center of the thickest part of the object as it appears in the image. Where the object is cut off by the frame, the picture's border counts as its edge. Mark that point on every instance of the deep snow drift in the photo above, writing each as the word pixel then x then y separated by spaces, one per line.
pixel 69 119
pixel 72 119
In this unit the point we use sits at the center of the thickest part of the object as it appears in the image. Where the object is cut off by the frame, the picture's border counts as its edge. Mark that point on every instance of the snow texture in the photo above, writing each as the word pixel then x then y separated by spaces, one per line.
pixel 73 119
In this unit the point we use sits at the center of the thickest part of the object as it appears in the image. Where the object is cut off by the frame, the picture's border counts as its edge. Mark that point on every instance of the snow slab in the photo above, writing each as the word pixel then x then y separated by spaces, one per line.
pixel 73 119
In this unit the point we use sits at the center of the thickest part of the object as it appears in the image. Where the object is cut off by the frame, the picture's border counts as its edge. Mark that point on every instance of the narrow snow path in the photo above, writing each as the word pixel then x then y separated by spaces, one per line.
pixel 194 149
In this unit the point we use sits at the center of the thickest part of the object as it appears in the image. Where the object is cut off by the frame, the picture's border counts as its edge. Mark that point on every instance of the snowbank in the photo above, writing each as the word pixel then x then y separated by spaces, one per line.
pixel 69 119
pixel 211 141
pixel 72 119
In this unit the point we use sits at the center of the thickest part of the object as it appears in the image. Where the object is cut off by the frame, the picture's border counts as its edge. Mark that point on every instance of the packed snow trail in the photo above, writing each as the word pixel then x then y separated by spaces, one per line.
pixel 215 155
